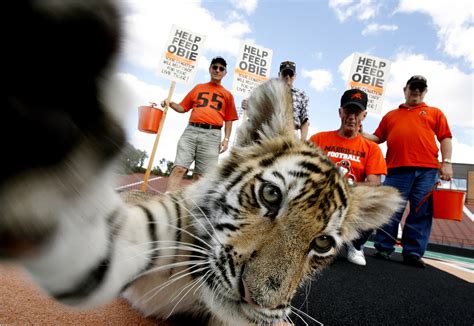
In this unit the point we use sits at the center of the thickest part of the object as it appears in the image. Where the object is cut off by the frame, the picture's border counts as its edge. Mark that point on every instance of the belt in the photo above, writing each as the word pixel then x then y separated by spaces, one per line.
pixel 204 125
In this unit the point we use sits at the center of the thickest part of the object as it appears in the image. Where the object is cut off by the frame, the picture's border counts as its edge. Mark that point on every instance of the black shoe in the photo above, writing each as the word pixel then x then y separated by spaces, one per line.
pixel 384 255
pixel 414 260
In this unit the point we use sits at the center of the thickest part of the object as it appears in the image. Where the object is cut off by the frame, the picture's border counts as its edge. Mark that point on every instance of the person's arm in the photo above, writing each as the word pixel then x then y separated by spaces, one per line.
pixel 175 106
pixel 371 137
pixel 374 164
pixel 304 117
pixel 446 170
pixel 227 132
pixel 304 130
pixel 368 136
pixel 372 180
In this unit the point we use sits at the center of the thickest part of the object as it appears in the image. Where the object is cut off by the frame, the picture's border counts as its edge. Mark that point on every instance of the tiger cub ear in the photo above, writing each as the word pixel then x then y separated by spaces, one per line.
pixel 369 208
pixel 269 114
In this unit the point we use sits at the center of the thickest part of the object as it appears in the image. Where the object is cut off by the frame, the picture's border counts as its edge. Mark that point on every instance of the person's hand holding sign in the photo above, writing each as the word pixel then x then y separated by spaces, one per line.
pixel 177 107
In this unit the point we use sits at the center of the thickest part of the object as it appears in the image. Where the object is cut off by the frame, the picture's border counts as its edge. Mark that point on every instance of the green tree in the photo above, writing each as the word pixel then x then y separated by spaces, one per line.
pixel 157 170
pixel 164 168
pixel 169 167
pixel 133 159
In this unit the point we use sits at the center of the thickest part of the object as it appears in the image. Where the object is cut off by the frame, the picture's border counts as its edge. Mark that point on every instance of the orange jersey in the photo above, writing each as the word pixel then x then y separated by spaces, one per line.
pixel 410 134
pixel 211 104
pixel 356 157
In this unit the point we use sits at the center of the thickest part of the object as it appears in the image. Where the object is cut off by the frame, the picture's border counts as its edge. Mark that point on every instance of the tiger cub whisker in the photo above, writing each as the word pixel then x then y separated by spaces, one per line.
pixel 300 317
pixel 184 295
pixel 381 230
pixel 174 265
pixel 176 277
pixel 173 242
pixel 155 291
pixel 185 231
pixel 181 290
pixel 187 287
pixel 191 214
pixel 294 310
pixel 145 253
pixel 202 212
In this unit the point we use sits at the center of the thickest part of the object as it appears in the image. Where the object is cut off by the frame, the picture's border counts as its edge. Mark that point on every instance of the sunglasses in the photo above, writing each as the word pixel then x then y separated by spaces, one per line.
pixel 285 73
pixel 414 86
pixel 220 68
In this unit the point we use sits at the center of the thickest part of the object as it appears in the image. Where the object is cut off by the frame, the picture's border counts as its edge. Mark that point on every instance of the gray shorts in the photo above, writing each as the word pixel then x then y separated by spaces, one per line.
pixel 199 145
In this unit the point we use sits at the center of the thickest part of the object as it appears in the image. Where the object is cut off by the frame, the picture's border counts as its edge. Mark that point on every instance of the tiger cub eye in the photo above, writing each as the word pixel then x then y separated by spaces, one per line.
pixel 323 243
pixel 271 197
pixel 271 194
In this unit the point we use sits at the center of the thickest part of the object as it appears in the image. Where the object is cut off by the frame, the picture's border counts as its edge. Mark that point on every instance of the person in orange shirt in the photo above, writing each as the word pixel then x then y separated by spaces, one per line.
pixel 413 168
pixel 359 159
pixel 212 107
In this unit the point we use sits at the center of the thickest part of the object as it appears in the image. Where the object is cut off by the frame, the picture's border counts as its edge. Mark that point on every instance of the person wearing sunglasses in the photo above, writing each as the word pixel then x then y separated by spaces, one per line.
pixel 358 159
pixel 300 99
pixel 413 168
pixel 212 107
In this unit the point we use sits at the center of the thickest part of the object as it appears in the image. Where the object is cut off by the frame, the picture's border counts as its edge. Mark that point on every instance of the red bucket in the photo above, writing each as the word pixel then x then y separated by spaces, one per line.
pixel 448 204
pixel 149 118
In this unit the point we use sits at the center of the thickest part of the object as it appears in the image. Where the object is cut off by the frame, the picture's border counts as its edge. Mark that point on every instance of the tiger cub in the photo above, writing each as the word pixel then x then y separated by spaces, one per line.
pixel 230 249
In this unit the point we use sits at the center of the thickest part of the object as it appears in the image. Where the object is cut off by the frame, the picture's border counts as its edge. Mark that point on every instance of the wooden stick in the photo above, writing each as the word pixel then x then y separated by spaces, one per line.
pixel 157 139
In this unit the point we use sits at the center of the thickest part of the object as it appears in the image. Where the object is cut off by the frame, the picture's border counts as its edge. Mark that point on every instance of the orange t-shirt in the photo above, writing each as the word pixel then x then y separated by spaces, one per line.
pixel 410 134
pixel 356 157
pixel 211 104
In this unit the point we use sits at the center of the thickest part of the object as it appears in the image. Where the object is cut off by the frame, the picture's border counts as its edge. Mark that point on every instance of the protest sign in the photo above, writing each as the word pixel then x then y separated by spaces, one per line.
pixel 370 74
pixel 179 64
pixel 252 68
pixel 180 58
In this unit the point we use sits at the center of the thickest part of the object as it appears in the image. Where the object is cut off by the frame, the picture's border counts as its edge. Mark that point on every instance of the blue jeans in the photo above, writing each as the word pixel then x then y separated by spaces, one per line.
pixel 362 239
pixel 413 183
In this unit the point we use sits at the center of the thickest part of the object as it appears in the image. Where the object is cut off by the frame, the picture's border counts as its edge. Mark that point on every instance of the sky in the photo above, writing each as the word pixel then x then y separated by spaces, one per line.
pixel 432 38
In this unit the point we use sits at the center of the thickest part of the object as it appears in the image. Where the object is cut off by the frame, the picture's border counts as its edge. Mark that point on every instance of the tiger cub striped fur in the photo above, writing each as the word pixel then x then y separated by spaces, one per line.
pixel 231 248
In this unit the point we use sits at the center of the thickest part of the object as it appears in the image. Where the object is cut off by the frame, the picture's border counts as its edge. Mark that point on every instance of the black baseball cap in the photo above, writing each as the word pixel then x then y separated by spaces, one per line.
pixel 219 60
pixel 288 65
pixel 354 97
pixel 417 79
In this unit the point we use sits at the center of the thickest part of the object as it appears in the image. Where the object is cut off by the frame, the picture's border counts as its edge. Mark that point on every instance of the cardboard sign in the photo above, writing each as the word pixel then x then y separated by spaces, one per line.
pixel 180 58
pixel 370 74
pixel 252 68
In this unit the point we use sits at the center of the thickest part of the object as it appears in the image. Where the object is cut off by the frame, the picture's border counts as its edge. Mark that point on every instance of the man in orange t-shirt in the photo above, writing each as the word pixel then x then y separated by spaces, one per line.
pixel 359 159
pixel 413 168
pixel 212 107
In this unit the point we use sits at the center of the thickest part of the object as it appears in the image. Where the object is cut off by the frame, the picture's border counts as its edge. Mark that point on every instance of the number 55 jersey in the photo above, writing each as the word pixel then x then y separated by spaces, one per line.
pixel 211 104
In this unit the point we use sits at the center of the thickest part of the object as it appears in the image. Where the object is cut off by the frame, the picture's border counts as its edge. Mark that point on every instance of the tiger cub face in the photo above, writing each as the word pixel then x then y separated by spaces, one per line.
pixel 276 211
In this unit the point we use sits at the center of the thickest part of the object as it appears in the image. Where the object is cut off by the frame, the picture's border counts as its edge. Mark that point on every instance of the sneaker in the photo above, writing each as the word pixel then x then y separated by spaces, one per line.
pixel 414 260
pixel 384 255
pixel 355 256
